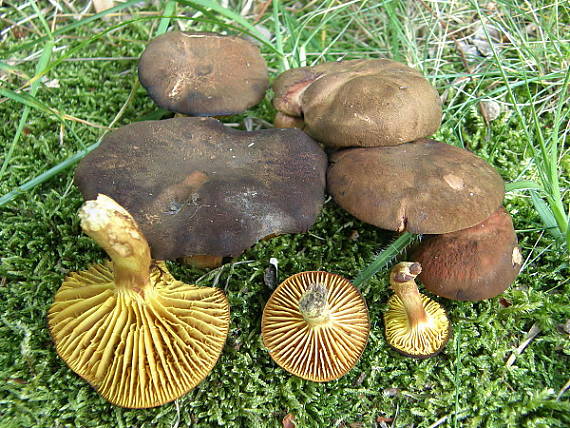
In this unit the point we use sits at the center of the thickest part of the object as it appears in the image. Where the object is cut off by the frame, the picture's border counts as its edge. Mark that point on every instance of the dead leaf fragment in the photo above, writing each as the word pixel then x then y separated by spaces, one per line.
pixel 101 5
pixel 490 109
pixel 565 327
pixel 289 421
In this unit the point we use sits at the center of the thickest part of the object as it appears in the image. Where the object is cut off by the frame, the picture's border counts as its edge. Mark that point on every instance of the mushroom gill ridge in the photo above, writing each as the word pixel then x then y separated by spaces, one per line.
pixel 138 349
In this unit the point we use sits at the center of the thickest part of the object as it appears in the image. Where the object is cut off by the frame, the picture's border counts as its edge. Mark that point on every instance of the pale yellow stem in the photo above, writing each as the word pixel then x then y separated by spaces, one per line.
pixel 115 230
pixel 402 282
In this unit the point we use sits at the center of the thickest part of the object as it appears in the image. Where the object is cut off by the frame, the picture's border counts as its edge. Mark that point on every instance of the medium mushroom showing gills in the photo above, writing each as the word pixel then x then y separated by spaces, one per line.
pixel 203 74
pixel 315 325
pixel 137 335
pixel 476 263
pixel 415 325
pixel 420 187
pixel 196 187
pixel 360 103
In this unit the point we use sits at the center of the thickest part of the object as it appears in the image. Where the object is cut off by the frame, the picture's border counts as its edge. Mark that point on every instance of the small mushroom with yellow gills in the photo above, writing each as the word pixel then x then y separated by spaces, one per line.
pixel 415 325
pixel 137 335
pixel 315 325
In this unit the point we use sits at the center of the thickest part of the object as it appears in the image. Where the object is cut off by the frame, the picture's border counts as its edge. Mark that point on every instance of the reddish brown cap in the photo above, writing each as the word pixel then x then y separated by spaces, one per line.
pixel 421 187
pixel 203 74
pixel 476 263
pixel 360 103
pixel 198 188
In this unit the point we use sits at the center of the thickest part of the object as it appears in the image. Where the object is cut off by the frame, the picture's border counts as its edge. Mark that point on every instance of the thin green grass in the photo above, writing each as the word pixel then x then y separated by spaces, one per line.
pixel 467 385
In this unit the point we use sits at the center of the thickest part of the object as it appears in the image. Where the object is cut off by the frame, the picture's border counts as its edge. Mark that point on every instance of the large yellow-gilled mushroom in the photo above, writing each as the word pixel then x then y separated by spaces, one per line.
pixel 415 325
pixel 316 325
pixel 137 335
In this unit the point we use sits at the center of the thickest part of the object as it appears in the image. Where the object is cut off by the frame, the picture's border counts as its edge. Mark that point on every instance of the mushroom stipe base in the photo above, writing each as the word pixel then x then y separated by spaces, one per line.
pixel 317 337
pixel 138 348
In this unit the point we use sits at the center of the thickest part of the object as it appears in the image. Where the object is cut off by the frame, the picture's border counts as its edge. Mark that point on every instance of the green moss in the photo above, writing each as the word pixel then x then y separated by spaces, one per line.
pixel 468 383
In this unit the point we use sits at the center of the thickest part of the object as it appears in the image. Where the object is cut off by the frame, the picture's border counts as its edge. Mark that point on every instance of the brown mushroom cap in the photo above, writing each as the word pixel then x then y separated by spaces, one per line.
pixel 203 74
pixel 360 103
pixel 315 325
pixel 421 187
pixel 476 263
pixel 137 335
pixel 283 120
pixel 198 188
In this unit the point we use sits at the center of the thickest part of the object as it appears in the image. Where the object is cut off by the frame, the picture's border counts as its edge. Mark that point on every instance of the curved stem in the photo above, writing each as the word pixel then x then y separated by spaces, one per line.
pixel 402 281
pixel 115 230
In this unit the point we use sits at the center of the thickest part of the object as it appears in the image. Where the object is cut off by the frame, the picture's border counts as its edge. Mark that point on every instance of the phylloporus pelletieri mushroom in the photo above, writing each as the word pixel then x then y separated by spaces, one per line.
pixel 315 325
pixel 415 325
pixel 198 188
pixel 203 74
pixel 476 263
pixel 137 335
pixel 358 103
pixel 420 187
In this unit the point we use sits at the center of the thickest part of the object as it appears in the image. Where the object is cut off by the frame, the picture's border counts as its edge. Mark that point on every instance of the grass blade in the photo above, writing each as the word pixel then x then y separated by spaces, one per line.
pixel 40 67
pixel 546 216
pixel 384 258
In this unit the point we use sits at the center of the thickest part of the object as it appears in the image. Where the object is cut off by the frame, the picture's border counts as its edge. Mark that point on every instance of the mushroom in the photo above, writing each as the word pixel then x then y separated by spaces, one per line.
pixel 137 335
pixel 203 74
pixel 196 187
pixel 283 120
pixel 476 263
pixel 361 103
pixel 415 325
pixel 315 325
pixel 421 187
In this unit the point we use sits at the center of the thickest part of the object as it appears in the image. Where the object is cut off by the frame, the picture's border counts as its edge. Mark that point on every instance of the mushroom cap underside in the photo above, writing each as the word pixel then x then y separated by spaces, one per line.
pixel 422 340
pixel 203 74
pixel 136 350
pixel 318 353
pixel 421 187
pixel 473 264
pixel 196 187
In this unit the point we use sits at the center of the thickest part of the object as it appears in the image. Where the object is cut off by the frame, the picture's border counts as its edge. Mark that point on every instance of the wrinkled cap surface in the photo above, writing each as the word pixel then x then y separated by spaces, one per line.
pixel 197 187
pixel 360 103
pixel 421 187
pixel 203 74
pixel 476 263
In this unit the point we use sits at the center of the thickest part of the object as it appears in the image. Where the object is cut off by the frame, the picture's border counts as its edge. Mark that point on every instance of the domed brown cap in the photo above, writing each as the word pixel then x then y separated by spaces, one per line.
pixel 196 187
pixel 421 187
pixel 315 325
pixel 137 335
pixel 203 74
pixel 360 103
pixel 476 263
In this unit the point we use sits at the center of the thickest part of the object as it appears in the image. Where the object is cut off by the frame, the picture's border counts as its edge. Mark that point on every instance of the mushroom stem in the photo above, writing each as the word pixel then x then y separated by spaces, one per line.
pixel 115 230
pixel 314 306
pixel 402 281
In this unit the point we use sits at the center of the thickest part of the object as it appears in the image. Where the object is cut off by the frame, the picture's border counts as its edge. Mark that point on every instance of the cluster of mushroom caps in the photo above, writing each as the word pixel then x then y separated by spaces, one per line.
pixel 191 188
